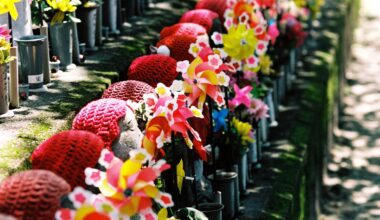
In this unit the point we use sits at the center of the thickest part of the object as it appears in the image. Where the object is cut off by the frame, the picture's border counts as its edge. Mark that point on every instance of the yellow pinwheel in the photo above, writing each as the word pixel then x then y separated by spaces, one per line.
pixel 240 42
pixel 9 6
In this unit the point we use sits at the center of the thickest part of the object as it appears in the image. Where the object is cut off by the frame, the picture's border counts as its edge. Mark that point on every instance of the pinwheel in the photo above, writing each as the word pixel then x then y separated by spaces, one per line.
pixel 127 189
pixel 203 77
pixel 9 6
pixel 173 109
pixel 220 119
pixel 242 96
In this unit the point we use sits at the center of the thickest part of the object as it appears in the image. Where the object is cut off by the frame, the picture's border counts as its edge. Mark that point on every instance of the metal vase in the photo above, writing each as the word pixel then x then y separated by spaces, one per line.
pixel 110 16
pixel 31 56
pixel 87 26
pixel 62 43
pixel 225 182
pixel 243 171
pixel 269 101
pixel 213 211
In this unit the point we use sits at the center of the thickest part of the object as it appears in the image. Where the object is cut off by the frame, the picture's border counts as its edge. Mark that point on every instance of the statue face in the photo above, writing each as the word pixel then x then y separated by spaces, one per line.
pixel 130 136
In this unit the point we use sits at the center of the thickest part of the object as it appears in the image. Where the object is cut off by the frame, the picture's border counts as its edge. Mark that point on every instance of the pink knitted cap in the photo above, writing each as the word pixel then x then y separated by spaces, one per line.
pixel 101 117
pixel 128 90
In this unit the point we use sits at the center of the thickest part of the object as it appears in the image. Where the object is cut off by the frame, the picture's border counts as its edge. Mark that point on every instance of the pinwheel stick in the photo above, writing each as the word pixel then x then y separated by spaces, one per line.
pixel 192 160
pixel 211 138
pixel 40 13
pixel 229 134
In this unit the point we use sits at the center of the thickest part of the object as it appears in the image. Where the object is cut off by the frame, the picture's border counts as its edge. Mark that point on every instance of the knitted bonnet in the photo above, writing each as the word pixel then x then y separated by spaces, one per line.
pixel 217 6
pixel 191 29
pixel 179 46
pixel 128 90
pixel 202 17
pixel 68 154
pixel 153 69
pixel 32 194
pixel 101 117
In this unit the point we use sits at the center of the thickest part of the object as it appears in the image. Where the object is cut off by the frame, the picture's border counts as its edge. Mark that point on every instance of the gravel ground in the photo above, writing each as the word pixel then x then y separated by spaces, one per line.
pixel 353 190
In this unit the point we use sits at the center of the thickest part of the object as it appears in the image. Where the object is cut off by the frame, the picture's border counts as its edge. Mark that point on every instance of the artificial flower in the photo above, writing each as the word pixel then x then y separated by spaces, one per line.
pixel 266 64
pixel 240 42
pixel 220 119
pixel 9 6
pixel 5 32
pixel 258 109
pixel 61 8
pixel 244 131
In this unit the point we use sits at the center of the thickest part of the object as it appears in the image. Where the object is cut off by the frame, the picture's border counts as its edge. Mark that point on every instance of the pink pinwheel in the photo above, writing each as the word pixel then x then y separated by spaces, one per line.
pixel 173 107
pixel 204 77
pixel 242 96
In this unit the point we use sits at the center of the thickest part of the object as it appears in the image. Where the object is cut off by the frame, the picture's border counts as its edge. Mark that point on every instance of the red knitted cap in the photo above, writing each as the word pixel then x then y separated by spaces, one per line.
pixel 191 29
pixel 68 154
pixel 217 6
pixel 153 69
pixel 101 117
pixel 179 46
pixel 32 194
pixel 202 17
pixel 128 90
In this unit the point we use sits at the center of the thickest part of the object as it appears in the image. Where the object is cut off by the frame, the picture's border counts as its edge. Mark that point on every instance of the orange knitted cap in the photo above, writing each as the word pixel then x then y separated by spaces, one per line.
pixel 217 6
pixel 202 17
pixel 128 90
pixel 101 117
pixel 32 194
pixel 191 29
pixel 68 154
pixel 153 69
pixel 179 46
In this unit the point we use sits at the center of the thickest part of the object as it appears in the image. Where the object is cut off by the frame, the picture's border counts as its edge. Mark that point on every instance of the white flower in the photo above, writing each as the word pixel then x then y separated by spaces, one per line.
pixel 80 197
pixel 177 86
pixel 223 79
pixel 182 66
pixel 106 157
pixel 217 38
pixel 261 47
pixel 162 90
pixel 94 177
pixel 215 61
pixel 252 61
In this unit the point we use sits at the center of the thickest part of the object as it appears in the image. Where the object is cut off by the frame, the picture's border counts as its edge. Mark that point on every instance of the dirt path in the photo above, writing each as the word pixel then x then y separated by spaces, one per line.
pixel 354 173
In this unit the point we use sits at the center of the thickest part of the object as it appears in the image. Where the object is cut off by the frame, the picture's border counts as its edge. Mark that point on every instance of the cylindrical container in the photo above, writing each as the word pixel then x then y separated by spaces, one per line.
pixel 269 101
pixel 130 7
pixel 213 211
pixel 235 169
pixel 264 129
pixel 243 171
pixel 282 84
pixel 110 16
pixel 276 102
pixel 62 43
pixel 23 90
pixel 99 25
pixel 87 26
pixel 4 97
pixel 32 53
pixel 225 182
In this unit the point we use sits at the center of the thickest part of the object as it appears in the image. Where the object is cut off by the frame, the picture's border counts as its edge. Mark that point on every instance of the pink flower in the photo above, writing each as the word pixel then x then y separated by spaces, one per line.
pixel 258 109
pixel 5 32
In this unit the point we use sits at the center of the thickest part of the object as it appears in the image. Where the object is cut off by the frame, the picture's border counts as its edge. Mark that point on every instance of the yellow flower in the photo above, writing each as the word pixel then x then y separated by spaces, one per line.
pixel 240 42
pixel 9 6
pixel 5 47
pixel 62 7
pixel 265 64
pixel 243 130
